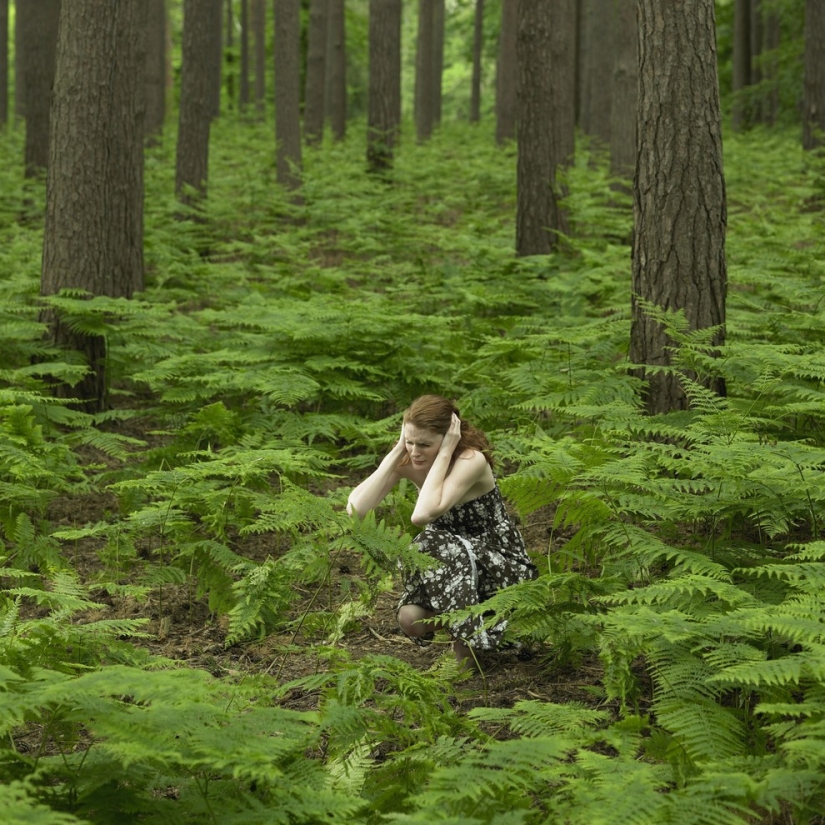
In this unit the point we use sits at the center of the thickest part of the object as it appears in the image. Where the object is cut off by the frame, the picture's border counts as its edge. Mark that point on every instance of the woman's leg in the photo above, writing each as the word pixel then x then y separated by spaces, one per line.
pixel 414 620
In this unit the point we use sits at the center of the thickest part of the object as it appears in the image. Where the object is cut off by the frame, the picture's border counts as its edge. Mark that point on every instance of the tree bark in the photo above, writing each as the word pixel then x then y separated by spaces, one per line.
pixel 39 20
pixel 478 43
pixel 19 102
pixel 288 92
pixel 772 28
pixel 315 80
pixel 228 54
pixel 597 66
pixel 93 238
pixel 539 218
pixel 679 191
pixel 336 86
pixel 625 91
pixel 507 73
pixel 244 85
pixel 741 63
pixel 259 38
pixel 155 68
pixel 196 101
pixel 424 71
pixel 813 123
pixel 563 85
pixel 4 62
pixel 384 104
pixel 438 57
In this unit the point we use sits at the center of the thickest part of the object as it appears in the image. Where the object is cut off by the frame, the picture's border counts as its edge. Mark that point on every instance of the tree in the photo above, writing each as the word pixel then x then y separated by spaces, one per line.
pixel 439 15
pixel 155 67
pixel 39 24
pixel 507 72
pixel 195 110
pixel 539 218
pixel 425 62
pixel 288 92
pixel 679 192
pixel 336 86
pixel 741 62
pixel 384 104
pixel 244 90
pixel 813 134
pixel 315 80
pixel 259 38
pixel 625 83
pixel 213 11
pixel 93 238
pixel 478 43
pixel 596 62
pixel 4 62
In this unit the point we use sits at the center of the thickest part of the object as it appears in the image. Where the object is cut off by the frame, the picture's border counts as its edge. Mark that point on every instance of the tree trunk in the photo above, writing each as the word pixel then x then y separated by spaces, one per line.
pixel 679 191
pixel 478 43
pixel 424 71
pixel 741 63
pixel 538 217
pixel 19 102
pixel 228 55
pixel 4 62
pixel 315 80
pixel 213 11
pixel 259 37
pixel 813 123
pixel 598 59
pixel 625 91
pixel 39 22
pixel 244 89
pixel 772 28
pixel 438 58
pixel 563 85
pixel 196 101
pixel 155 68
pixel 384 105
pixel 93 238
pixel 507 73
pixel 288 92
pixel 336 86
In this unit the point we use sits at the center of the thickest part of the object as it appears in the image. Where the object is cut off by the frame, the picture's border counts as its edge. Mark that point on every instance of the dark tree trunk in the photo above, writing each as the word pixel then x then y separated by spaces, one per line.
pixel 478 43
pixel 424 71
pixel 259 38
pixel 813 123
pixel 384 105
pixel 244 86
pixel 772 29
pixel 438 58
pixel 507 73
pixel 336 86
pixel 155 68
pixel 315 81
pixel 4 62
pixel 93 238
pixel 19 102
pixel 741 63
pixel 679 191
pixel 39 22
pixel 195 111
pixel 213 10
pixel 625 91
pixel 229 52
pixel 563 84
pixel 538 216
pixel 597 66
pixel 288 92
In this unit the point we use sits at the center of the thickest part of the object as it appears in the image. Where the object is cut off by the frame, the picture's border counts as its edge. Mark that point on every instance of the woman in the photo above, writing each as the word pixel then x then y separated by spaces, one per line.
pixel 466 526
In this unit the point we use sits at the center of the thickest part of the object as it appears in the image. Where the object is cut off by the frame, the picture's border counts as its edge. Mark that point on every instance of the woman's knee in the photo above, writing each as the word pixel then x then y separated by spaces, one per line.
pixel 413 620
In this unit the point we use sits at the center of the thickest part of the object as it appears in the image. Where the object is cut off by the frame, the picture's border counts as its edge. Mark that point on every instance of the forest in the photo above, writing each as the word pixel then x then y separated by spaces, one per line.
pixel 212 322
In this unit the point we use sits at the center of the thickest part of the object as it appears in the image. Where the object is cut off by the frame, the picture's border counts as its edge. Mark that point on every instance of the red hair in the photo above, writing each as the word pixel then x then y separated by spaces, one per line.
pixel 434 412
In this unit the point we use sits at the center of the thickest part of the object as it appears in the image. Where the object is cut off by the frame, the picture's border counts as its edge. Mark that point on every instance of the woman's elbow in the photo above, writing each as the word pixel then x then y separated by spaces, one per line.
pixel 421 519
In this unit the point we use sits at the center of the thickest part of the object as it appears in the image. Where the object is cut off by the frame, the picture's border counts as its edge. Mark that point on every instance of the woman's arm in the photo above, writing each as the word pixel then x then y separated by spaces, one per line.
pixel 374 489
pixel 445 487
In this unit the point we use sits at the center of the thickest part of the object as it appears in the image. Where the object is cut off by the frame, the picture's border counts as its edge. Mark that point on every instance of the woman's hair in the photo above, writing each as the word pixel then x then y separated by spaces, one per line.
pixel 433 412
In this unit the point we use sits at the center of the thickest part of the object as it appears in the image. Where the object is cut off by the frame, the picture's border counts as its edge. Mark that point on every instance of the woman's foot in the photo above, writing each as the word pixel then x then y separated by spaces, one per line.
pixel 464 656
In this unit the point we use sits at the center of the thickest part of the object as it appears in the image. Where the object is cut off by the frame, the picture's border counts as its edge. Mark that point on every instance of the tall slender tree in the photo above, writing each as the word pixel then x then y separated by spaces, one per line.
pixel 425 63
pixel 243 97
pixel 196 102
pixel 315 78
pixel 155 67
pixel 384 105
pixel 625 90
pixel 93 238
pixel 596 61
pixel 813 125
pixel 288 159
pixel 679 192
pixel 336 87
pixel 741 62
pixel 213 10
pixel 259 38
pixel 4 62
pixel 19 85
pixel 39 23
pixel 507 72
pixel 439 23
pixel 478 44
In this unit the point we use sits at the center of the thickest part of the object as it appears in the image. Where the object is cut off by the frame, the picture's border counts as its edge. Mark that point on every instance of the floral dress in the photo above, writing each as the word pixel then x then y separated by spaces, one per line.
pixel 479 550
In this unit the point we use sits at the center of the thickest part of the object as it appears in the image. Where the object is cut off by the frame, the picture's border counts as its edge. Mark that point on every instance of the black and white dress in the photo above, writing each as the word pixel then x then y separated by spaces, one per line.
pixel 479 551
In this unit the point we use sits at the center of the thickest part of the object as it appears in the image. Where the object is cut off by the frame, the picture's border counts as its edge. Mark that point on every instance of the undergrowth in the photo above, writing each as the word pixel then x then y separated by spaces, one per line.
pixel 264 369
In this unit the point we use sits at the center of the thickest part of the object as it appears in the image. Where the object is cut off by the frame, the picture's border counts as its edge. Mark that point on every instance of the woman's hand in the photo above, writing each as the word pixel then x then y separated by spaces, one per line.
pixel 451 437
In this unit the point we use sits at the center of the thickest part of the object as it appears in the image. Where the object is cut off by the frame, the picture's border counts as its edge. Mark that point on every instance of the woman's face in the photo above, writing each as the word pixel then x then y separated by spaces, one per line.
pixel 422 445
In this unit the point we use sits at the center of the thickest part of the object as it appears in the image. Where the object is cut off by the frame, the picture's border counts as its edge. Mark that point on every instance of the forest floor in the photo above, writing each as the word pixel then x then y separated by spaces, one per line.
pixel 182 629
